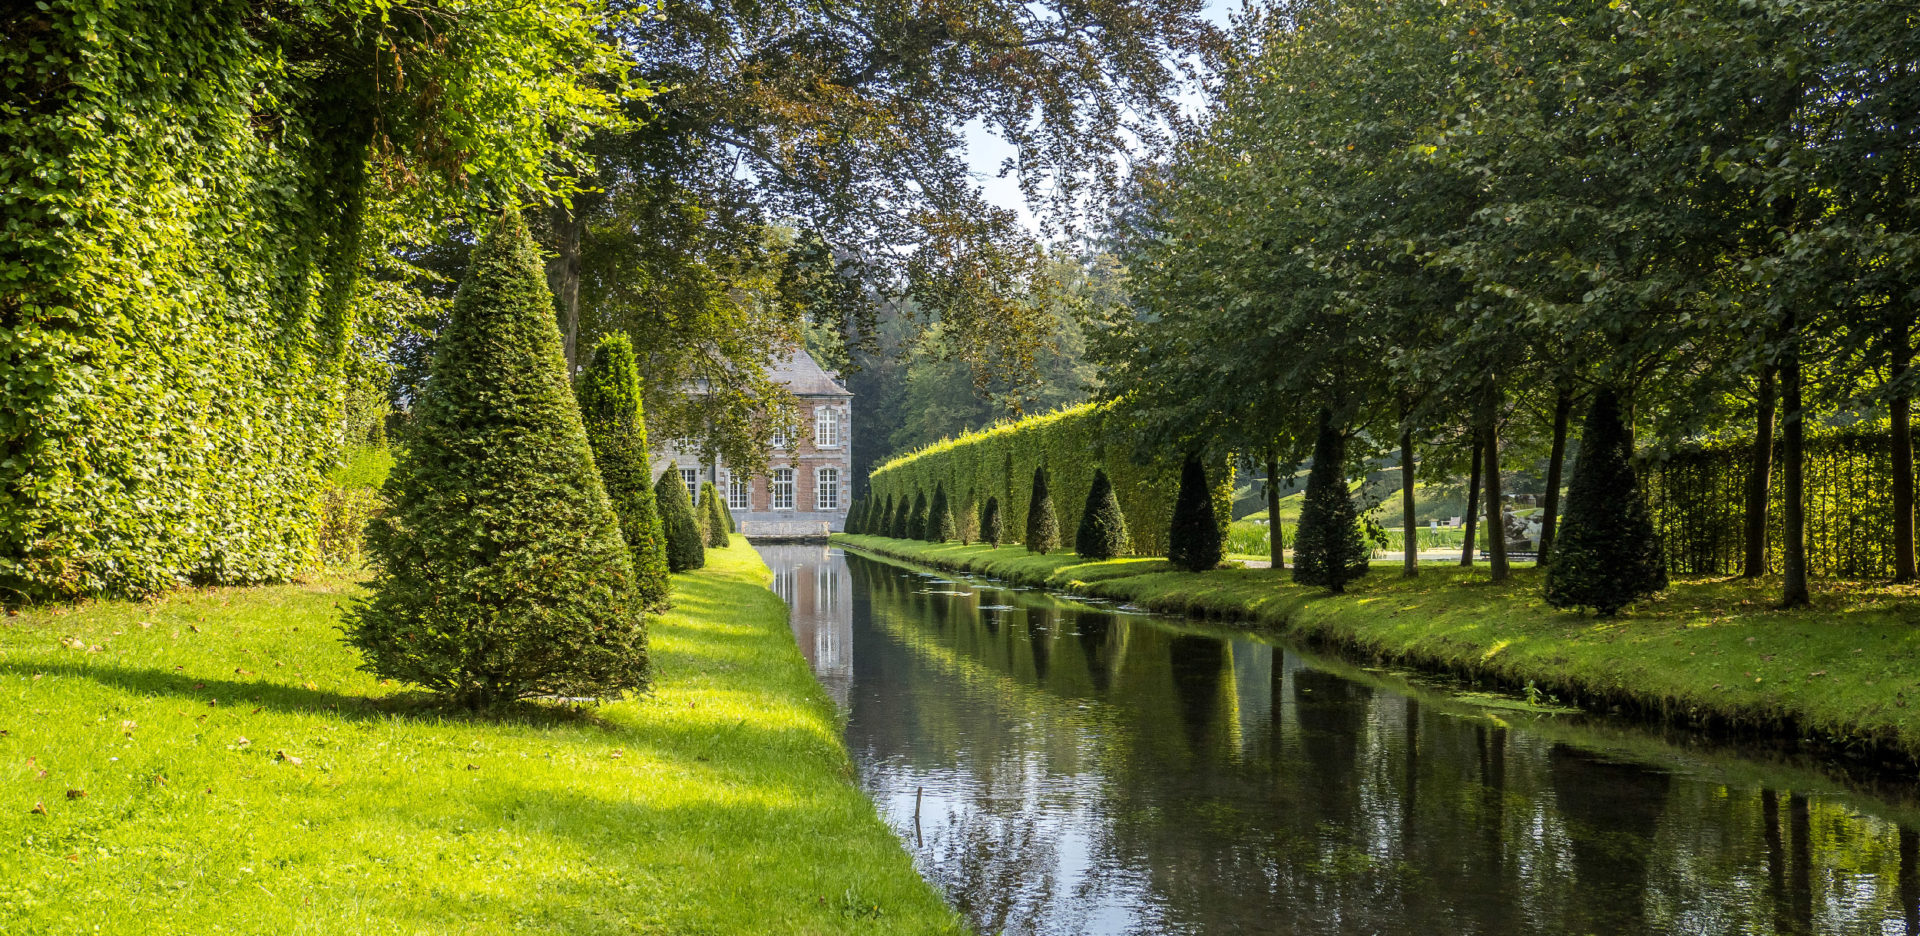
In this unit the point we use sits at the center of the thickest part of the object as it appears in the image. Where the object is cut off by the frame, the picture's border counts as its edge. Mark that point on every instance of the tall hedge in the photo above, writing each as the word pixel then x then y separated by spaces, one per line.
pixel 713 517
pixel 1328 550
pixel 1000 462
pixel 609 395
pixel 1043 522
pixel 1605 556
pixel 501 569
pixel 917 519
pixel 1193 535
pixel 990 531
pixel 940 525
pixel 1103 528
pixel 686 534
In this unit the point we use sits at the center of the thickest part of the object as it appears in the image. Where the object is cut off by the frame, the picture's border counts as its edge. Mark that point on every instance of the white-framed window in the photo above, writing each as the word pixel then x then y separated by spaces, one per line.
pixel 826 488
pixel 826 427
pixel 737 492
pixel 692 477
pixel 780 438
pixel 780 486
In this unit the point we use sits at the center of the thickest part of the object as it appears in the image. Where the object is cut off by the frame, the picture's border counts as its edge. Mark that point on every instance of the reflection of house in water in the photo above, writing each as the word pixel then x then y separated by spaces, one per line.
pixel 813 581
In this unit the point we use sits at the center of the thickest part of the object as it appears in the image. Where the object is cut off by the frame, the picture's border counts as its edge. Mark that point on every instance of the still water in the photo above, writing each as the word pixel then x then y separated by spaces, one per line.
pixel 1082 769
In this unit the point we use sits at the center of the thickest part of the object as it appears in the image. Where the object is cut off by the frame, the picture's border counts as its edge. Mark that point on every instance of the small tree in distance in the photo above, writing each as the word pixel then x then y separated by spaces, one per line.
pixel 609 395
pixel 902 516
pixel 1193 537
pixel 917 520
pixel 714 516
pixel 1605 556
pixel 501 569
pixel 940 526
pixel 852 523
pixel 1328 550
pixel 990 532
pixel 1043 525
pixel 1103 528
pixel 686 538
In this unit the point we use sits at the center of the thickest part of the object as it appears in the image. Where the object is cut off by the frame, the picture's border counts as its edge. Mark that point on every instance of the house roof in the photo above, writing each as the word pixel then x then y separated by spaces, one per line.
pixel 803 376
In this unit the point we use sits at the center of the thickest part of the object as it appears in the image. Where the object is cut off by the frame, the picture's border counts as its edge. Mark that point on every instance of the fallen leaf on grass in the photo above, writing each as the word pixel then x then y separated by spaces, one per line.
pixel 197 629
pixel 1818 672
pixel 76 794
pixel 39 809
pixel 284 757
pixel 473 766
pixel 617 754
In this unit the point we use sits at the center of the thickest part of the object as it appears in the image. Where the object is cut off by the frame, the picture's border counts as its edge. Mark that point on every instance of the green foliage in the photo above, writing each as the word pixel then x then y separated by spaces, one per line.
pixel 1193 536
pixel 855 515
pixel 502 573
pixel 1043 523
pixel 713 516
pixel 990 531
pixel 609 394
pixel 940 525
pixel 686 532
pixel 186 200
pixel 1605 556
pixel 1328 550
pixel 1103 528
pixel 897 528
pixel 917 518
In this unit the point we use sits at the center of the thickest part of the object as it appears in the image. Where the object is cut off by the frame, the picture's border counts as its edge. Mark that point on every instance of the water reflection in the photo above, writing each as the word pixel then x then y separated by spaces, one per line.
pixel 1087 771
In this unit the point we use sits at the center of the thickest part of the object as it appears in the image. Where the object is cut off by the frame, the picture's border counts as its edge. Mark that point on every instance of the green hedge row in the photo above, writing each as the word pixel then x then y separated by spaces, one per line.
pixel 177 248
pixel 1071 444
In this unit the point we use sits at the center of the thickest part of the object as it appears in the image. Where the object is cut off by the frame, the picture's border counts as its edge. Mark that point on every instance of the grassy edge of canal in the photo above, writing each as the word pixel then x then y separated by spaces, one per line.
pixel 212 760
pixel 1713 653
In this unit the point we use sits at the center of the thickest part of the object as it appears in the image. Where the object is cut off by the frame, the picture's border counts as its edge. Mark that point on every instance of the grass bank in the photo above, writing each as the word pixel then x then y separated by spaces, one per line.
pixel 212 762
pixel 1708 652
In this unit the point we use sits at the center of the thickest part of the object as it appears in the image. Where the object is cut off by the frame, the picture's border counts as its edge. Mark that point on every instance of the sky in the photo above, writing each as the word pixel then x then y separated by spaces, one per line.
pixel 986 152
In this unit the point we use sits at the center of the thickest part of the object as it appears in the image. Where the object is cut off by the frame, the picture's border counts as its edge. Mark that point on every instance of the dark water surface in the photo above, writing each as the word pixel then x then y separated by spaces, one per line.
pixel 1081 769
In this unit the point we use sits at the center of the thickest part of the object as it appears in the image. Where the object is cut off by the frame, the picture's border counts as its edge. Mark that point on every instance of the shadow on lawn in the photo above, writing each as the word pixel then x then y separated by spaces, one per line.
pixel 284 697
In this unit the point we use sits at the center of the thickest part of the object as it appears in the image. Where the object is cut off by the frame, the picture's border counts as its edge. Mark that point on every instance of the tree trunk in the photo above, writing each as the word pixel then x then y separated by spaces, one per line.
pixel 1793 592
pixel 563 277
pixel 1496 517
pixel 1275 543
pixel 1759 471
pixel 1471 521
pixel 1901 410
pixel 1409 533
pixel 1556 460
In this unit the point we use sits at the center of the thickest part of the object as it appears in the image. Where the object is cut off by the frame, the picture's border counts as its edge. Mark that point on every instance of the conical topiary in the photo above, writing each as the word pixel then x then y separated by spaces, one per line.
pixel 1043 526
pixel 1328 550
pixel 1193 536
pixel 609 395
pixel 917 520
pixel 852 523
pixel 501 571
pixel 939 517
pixel 1605 555
pixel 713 516
pixel 990 532
pixel 1103 528
pixel 966 520
pixel 902 515
pixel 686 540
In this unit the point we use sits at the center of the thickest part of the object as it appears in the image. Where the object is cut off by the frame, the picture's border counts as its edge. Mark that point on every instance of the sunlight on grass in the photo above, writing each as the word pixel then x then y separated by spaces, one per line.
pixel 214 761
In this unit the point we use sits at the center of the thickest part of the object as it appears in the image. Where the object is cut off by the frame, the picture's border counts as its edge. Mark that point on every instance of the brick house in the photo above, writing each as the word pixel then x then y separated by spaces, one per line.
pixel 809 483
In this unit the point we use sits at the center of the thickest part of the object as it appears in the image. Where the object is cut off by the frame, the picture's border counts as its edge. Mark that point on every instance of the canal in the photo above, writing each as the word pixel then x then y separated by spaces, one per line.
pixel 1061 766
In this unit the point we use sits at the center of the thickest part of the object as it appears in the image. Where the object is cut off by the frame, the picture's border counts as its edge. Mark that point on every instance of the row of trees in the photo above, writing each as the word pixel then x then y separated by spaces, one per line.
pixel 1432 233
pixel 1194 537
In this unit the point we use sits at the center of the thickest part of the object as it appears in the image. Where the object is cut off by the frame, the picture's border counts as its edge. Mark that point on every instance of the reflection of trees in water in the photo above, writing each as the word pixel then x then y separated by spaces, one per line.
pixel 1348 809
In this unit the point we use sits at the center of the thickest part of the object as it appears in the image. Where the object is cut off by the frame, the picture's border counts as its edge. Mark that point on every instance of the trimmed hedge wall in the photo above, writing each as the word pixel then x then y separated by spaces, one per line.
pixel 1071 443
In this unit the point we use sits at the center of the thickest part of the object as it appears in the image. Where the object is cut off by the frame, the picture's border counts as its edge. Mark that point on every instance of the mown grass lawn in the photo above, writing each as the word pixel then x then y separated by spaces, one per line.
pixel 212 762
pixel 1846 670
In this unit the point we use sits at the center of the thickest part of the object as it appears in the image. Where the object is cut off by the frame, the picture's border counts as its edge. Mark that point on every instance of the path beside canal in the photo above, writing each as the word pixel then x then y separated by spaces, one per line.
pixel 1709 652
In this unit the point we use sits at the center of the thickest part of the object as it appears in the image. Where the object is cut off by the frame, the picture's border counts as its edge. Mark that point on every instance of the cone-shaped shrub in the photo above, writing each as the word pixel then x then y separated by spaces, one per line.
pixel 686 535
pixel 939 517
pixel 880 522
pixel 966 520
pixel 990 532
pixel 713 516
pixel 852 523
pixel 1043 526
pixel 501 569
pixel 902 515
pixel 917 520
pixel 1605 556
pixel 609 395
pixel 1328 550
pixel 1193 536
pixel 1103 528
